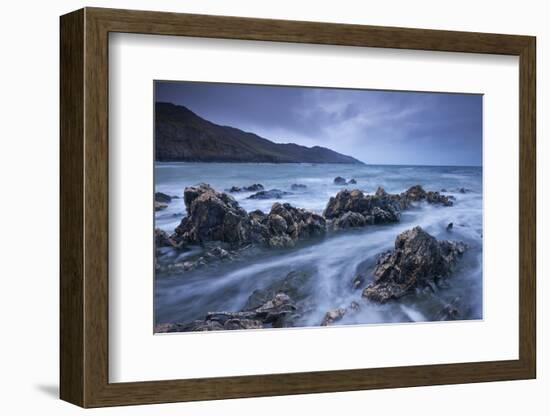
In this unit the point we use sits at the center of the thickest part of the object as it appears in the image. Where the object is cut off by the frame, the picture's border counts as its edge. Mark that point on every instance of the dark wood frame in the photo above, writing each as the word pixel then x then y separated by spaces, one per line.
pixel 84 207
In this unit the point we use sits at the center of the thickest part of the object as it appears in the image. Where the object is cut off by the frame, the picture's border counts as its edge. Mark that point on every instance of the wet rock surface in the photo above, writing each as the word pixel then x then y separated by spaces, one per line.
pixel 298 187
pixel 417 261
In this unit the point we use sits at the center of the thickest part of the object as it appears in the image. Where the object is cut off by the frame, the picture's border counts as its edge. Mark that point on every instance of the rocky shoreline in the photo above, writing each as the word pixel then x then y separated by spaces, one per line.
pixel 226 232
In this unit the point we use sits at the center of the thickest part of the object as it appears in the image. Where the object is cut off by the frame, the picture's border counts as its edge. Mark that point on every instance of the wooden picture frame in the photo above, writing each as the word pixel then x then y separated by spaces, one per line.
pixel 84 207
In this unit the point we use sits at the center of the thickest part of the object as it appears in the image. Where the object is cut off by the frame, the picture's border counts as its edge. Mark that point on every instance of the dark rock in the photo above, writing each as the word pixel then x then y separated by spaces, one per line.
pixel 212 216
pixel 159 206
pixel 417 260
pixel 349 220
pixel 443 190
pixel 163 240
pixel 163 198
pixel 449 226
pixel 379 208
pixel 298 187
pixel 352 182
pixel 339 181
pixel 417 193
pixel 451 311
pixel 252 188
pixel 277 312
pixel 270 194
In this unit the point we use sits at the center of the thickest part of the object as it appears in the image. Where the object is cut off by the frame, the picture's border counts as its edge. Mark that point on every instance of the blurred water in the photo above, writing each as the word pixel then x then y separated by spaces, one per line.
pixel 335 260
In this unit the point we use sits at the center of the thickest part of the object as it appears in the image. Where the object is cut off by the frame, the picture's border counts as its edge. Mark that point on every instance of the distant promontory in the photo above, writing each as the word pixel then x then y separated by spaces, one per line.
pixel 181 135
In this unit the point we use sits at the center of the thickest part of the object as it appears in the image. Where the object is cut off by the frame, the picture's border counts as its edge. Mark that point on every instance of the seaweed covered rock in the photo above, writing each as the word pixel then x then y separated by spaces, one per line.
pixel 417 260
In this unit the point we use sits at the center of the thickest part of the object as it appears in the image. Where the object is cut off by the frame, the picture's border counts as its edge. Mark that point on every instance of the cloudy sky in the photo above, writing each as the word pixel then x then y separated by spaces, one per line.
pixel 377 127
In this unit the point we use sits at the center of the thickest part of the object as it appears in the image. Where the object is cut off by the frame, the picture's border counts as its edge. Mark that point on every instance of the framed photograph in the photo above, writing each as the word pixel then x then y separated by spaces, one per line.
pixel 255 207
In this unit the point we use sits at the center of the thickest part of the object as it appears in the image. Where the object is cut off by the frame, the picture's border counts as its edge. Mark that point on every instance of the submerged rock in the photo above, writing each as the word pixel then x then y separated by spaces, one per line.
pixel 270 194
pixel 298 187
pixel 418 260
pixel 352 182
pixel 252 188
pixel 339 181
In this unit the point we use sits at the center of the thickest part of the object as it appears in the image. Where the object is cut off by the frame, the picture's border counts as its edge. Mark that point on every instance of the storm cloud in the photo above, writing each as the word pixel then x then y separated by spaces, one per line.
pixel 377 127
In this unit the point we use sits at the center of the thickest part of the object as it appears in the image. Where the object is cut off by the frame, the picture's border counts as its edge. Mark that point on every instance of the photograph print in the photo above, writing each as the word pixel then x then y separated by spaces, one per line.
pixel 292 207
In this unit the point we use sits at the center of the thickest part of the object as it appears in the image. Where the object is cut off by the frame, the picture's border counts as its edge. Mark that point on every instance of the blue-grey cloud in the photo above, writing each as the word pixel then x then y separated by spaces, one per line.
pixel 378 127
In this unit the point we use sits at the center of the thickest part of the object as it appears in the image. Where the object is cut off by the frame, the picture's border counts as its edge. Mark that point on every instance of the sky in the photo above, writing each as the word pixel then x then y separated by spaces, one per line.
pixel 376 127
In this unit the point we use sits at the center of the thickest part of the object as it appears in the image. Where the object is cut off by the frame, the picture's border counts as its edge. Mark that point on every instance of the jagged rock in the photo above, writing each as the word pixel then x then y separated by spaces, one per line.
pixel 298 187
pixel 417 193
pixel 376 209
pixel 352 182
pixel 270 194
pixel 417 260
pixel 159 206
pixel 339 181
pixel 380 208
pixel 162 197
pixel 349 220
pixel 449 226
pixel 212 216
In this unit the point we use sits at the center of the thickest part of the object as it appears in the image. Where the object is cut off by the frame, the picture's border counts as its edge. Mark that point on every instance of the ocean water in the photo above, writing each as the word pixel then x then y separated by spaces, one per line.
pixel 334 261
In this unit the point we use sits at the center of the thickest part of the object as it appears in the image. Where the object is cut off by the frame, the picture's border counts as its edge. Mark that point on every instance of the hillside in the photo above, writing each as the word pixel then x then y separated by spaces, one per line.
pixel 181 135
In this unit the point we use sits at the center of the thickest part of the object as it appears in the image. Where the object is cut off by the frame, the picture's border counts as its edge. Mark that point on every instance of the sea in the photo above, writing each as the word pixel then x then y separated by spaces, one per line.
pixel 335 259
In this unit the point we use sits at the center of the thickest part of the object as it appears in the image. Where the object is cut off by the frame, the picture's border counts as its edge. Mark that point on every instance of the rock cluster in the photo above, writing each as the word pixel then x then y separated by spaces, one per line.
pixel 342 181
pixel 417 260
pixel 356 209
pixel 277 312
pixel 215 216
